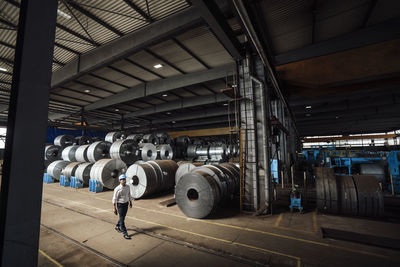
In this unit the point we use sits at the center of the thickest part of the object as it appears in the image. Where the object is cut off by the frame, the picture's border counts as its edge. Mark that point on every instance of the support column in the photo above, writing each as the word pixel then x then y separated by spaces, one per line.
pixel 21 187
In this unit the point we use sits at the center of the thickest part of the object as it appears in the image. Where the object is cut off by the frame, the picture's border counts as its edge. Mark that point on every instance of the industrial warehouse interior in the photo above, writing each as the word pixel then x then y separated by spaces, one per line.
pixel 238 132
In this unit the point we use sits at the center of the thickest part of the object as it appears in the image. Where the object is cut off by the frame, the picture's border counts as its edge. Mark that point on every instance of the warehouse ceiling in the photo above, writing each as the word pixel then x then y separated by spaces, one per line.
pixel 337 62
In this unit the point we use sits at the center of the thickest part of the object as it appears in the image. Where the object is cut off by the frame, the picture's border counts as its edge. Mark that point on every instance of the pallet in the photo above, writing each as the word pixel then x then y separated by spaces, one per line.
pixel 64 181
pixel 75 183
pixel 47 178
pixel 95 186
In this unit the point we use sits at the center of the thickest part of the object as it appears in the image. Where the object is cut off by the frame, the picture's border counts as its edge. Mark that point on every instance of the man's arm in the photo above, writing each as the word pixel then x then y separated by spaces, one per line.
pixel 114 201
pixel 130 198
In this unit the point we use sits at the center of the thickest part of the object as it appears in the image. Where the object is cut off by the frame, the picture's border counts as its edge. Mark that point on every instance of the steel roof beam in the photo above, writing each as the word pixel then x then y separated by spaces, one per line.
pixel 161 86
pixel 386 31
pixel 206 113
pixel 215 19
pixel 138 10
pixel 127 44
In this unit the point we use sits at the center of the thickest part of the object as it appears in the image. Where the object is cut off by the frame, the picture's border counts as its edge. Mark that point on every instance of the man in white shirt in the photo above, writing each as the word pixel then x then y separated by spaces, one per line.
pixel 120 200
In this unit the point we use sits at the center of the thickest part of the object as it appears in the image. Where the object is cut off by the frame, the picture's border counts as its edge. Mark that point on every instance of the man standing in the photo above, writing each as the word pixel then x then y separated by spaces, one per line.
pixel 121 197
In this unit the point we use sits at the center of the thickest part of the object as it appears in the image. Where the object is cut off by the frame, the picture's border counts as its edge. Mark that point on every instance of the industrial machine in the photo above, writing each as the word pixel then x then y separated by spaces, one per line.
pixel 393 161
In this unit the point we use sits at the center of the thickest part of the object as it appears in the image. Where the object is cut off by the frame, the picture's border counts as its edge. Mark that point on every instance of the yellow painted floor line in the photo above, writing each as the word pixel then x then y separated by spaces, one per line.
pixel 315 224
pixel 247 229
pixel 278 220
pixel 297 259
pixel 50 258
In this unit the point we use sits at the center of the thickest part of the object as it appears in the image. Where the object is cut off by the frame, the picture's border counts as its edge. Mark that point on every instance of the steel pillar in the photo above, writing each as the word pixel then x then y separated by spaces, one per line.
pixel 21 187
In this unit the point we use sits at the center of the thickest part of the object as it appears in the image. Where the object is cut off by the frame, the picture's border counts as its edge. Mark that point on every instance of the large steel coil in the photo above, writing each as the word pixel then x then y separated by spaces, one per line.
pixel 98 150
pixel 218 152
pixel 82 140
pixel 151 177
pixel 163 138
pixel 52 152
pixel 373 169
pixel 64 140
pixel 114 136
pixel 357 195
pixel 148 151
pixel 55 168
pixel 165 152
pixel 200 192
pixel 150 138
pixel 126 150
pixel 185 167
pixel 70 169
pixel 107 171
pixel 135 137
pixel 81 153
pixel 182 141
pixel 68 153
pixel 82 173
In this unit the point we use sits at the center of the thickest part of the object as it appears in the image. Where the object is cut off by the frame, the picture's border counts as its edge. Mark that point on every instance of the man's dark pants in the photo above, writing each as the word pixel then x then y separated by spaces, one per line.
pixel 122 210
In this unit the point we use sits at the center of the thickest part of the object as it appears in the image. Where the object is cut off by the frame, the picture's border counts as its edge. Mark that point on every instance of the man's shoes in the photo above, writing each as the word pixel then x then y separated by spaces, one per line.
pixel 126 236
pixel 118 229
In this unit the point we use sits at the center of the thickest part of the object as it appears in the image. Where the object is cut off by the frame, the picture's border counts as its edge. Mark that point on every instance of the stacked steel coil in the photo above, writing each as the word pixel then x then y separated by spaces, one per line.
pixel 202 191
pixel 70 169
pixel 135 137
pixel 163 138
pixel 52 152
pixel 81 153
pixel 56 167
pixel 82 140
pixel 185 167
pixel 164 152
pixel 357 195
pixel 68 153
pixel 148 151
pixel 126 150
pixel 151 177
pixel 98 150
pixel 114 136
pixel 150 138
pixel 107 171
pixel 82 173
pixel 64 140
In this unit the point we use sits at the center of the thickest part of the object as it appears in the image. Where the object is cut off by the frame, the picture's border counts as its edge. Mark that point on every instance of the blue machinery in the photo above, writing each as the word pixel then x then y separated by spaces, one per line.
pixel 393 161
pixel 337 162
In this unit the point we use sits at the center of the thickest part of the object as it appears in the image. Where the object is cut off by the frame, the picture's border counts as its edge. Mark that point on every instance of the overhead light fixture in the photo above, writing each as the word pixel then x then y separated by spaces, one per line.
pixel 116 109
pixel 173 121
pixel 308 107
pixel 308 115
pixel 3 69
pixel 63 14
pixel 337 117
pixel 157 66
pixel 225 104
pixel 87 91
pixel 168 113
pixel 164 95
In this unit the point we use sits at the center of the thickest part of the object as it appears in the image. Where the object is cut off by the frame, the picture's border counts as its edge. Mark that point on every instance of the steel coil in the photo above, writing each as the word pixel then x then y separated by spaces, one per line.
pixel 218 152
pixel 370 197
pixel 165 152
pixel 70 169
pixel 82 140
pixel 107 171
pixel 184 168
pixel 163 138
pixel 98 150
pixel 64 140
pixel 182 141
pixel 150 138
pixel 114 136
pixel 52 152
pixel 148 151
pixel 82 173
pixel 81 153
pixel 168 169
pixel 55 168
pixel 348 195
pixel 68 153
pixel 135 137
pixel 126 150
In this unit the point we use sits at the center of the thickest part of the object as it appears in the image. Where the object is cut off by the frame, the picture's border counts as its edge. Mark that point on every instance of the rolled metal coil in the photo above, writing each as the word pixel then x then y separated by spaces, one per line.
pixel 185 167
pixel 370 197
pixel 165 152
pixel 200 192
pixel 126 150
pixel 82 173
pixel 68 153
pixel 81 153
pixel 150 138
pixel 98 150
pixel 70 169
pixel 182 141
pixel 218 152
pixel 55 168
pixel 136 137
pixel 113 136
pixel 148 151
pixel 107 171
pixel 52 152
pixel 82 140
pixel 163 138
pixel 151 177
pixel 97 138
pixel 64 140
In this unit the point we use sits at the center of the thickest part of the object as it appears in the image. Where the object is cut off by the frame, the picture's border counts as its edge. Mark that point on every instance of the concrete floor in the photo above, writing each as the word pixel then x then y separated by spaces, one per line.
pixel 78 229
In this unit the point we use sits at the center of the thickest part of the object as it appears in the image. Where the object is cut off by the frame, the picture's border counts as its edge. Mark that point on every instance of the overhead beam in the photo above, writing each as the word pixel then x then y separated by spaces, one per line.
pixel 386 31
pixel 215 19
pixel 206 113
pixel 339 138
pixel 204 132
pixel 127 44
pixel 162 85
pixel 181 103
pixel 138 10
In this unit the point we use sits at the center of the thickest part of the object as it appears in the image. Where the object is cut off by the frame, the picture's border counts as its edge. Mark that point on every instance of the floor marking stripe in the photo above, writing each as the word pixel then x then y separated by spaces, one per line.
pixel 315 224
pixel 50 258
pixel 278 220
pixel 247 229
